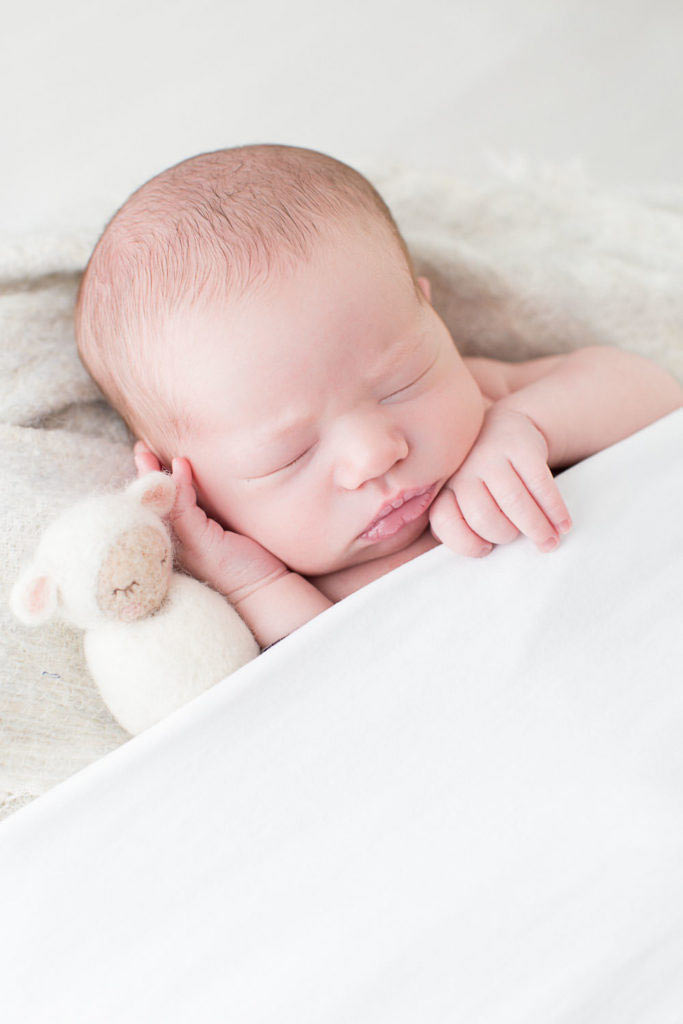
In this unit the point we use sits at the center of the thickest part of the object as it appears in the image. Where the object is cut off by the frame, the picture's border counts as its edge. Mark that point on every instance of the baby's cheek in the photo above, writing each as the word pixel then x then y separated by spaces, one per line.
pixel 213 499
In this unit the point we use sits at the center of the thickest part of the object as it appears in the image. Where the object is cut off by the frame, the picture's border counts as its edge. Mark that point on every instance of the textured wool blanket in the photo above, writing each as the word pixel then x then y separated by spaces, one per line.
pixel 528 262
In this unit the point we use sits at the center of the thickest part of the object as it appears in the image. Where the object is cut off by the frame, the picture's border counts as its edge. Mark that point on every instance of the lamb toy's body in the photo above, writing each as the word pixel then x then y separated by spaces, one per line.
pixel 155 638
pixel 147 668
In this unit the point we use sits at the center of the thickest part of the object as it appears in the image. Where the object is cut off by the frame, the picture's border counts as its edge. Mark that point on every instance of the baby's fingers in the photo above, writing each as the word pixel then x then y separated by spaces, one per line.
pixel 185 507
pixel 449 526
pixel 199 537
pixel 190 522
pixel 518 504
pixel 540 483
pixel 145 460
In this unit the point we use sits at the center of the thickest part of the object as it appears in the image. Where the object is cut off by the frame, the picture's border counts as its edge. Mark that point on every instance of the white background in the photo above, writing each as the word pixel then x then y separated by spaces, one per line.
pixel 97 98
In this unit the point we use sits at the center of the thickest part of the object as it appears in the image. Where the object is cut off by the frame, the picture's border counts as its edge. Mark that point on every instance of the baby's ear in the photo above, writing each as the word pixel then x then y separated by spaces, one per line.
pixel 34 596
pixel 155 491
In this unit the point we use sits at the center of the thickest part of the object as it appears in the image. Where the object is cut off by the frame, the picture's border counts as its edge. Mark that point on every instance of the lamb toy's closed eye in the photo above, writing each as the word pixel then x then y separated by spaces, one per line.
pixel 154 638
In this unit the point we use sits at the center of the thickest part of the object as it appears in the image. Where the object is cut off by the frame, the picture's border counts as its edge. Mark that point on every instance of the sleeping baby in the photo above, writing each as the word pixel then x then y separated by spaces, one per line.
pixel 254 316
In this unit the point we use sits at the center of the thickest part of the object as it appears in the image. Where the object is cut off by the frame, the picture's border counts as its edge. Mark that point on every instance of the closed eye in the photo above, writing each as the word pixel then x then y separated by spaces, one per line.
pixel 125 590
pixel 412 384
pixel 400 390
pixel 273 472
pixel 289 464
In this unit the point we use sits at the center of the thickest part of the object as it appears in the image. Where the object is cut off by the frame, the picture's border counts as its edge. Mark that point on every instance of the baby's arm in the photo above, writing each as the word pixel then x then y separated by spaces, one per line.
pixel 275 609
pixel 553 412
pixel 590 399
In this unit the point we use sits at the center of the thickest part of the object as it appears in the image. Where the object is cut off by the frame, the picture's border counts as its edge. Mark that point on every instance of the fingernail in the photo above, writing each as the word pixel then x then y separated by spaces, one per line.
pixel 565 526
pixel 485 549
pixel 548 545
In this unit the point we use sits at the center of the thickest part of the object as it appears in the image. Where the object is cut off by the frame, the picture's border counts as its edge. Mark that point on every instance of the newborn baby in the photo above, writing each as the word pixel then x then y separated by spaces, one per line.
pixel 255 317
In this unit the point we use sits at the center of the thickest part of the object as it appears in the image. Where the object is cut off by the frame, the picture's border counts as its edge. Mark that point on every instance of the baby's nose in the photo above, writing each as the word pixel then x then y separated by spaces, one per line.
pixel 368 449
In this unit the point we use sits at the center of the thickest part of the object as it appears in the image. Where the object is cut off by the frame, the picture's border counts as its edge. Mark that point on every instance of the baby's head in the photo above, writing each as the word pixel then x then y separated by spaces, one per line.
pixel 255 310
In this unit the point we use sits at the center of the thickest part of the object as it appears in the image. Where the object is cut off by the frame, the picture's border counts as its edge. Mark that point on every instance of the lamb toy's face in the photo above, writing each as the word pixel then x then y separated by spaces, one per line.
pixel 108 557
pixel 135 575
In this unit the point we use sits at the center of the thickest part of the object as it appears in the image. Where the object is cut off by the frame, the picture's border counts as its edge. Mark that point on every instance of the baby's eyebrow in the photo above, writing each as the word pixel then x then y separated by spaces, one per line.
pixel 279 431
pixel 254 439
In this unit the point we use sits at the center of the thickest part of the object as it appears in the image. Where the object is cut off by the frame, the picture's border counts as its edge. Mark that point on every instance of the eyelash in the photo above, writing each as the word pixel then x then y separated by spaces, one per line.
pixel 124 590
pixel 293 462
pixel 394 393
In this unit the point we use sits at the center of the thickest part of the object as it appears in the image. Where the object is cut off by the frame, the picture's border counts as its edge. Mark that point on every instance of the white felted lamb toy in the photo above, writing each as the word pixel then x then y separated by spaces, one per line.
pixel 154 638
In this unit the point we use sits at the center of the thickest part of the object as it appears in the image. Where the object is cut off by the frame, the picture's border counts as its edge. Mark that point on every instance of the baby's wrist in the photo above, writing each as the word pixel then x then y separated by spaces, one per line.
pixel 515 405
pixel 279 606
pixel 247 590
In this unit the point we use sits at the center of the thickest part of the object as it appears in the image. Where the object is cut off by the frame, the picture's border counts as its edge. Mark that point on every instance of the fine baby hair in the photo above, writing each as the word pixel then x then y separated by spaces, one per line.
pixel 204 233
pixel 155 638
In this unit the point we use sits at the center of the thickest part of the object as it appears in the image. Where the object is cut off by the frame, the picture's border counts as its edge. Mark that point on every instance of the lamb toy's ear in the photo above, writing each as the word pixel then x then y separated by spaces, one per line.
pixel 155 491
pixel 33 598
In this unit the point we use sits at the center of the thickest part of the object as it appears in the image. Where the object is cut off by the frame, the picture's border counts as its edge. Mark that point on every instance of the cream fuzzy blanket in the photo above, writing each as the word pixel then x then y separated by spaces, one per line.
pixel 527 262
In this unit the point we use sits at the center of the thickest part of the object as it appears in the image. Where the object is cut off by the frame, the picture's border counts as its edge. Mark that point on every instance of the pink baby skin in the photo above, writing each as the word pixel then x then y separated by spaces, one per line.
pixel 329 391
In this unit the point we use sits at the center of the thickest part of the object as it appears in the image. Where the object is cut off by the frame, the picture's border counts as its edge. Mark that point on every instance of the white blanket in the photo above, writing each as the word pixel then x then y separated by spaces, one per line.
pixel 452 797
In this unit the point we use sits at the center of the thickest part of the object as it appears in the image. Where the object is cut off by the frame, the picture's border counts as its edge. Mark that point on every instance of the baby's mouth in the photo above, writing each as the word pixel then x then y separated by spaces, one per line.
pixel 412 505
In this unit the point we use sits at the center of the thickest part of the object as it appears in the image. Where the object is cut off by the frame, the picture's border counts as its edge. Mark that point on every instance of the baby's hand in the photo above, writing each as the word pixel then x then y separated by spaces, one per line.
pixel 231 563
pixel 502 488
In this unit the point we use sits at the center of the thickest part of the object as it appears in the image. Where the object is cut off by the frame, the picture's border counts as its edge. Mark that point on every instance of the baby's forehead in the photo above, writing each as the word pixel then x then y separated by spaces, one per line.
pixel 270 343
pixel 351 311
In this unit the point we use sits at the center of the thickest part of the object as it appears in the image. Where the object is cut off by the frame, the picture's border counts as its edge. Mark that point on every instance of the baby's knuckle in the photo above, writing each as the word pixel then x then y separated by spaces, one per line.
pixel 442 509
pixel 557 501
pixel 513 499
pixel 476 546
pixel 446 522
pixel 461 543
pixel 491 525
pixel 541 480
pixel 503 532
pixel 445 529
pixel 480 517
pixel 441 523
